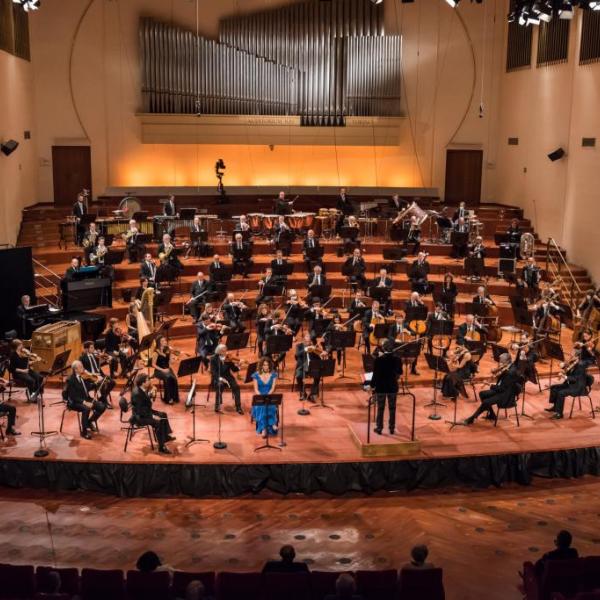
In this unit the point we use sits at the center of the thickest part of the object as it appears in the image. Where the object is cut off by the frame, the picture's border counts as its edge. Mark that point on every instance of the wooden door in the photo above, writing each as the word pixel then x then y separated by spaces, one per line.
pixel 463 176
pixel 72 172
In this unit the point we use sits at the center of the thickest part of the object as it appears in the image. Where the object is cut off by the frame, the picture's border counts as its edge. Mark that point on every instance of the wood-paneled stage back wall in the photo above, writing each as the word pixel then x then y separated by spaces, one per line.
pixel 88 89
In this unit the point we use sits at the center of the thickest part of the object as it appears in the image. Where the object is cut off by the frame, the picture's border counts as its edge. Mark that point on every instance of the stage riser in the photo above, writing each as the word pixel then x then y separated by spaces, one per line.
pixel 201 481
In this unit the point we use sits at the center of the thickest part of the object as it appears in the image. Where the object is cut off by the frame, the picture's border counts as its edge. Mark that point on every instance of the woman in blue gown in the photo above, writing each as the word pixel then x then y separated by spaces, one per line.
pixel 265 380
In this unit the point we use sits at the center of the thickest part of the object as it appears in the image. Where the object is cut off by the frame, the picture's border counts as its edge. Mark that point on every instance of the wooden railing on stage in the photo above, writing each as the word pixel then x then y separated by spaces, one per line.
pixel 558 271
pixel 46 279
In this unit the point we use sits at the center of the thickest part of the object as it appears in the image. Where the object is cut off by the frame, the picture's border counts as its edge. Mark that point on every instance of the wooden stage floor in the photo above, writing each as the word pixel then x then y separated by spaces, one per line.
pixel 322 437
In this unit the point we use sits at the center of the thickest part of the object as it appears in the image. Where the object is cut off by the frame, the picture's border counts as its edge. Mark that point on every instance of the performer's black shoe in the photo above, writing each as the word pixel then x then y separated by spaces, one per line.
pixel 468 421
pixel 171 438
pixel 87 435
pixel 378 431
pixel 239 411
pixel 392 430
pixel 164 450
pixel 312 399
pixel 490 416
pixel 12 431
pixel 550 409
pixel 556 416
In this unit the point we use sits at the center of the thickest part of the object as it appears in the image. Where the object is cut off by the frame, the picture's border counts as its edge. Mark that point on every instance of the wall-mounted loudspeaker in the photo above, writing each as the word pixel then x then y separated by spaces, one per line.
pixel 9 147
pixel 556 155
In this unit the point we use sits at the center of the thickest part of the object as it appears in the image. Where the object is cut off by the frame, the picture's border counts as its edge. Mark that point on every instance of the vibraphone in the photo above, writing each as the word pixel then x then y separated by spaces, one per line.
pixel 117 226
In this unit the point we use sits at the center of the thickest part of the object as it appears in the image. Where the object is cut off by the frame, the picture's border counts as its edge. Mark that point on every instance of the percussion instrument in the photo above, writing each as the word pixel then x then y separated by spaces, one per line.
pixel 255 221
pixel 300 220
pixel 269 221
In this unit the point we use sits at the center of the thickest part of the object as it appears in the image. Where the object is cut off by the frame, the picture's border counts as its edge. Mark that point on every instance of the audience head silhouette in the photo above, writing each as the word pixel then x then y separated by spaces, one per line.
pixel 148 561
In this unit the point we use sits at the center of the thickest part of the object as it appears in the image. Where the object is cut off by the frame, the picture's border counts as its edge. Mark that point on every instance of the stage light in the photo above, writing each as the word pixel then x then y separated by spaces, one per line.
pixel 545 12
pixel 376 1
pixel 595 4
pixel 533 19
pixel 524 16
pixel 453 3
pixel 28 4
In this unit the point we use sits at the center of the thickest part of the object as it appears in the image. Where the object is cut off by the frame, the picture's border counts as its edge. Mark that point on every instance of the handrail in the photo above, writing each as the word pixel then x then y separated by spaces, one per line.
pixel 37 263
pixel 552 249
pixel 47 281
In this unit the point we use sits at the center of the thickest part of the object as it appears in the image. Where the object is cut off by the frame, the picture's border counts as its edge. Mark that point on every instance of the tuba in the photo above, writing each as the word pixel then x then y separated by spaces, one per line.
pixel 527 245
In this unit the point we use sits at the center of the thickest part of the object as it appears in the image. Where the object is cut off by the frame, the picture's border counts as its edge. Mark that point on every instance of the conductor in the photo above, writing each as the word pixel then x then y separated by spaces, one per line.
pixel 384 383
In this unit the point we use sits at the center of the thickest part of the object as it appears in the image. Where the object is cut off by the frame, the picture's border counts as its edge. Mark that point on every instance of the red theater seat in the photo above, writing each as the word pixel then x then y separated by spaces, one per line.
pixel 415 584
pixel 287 586
pixel 69 580
pixel 323 583
pixel 239 586
pixel 100 585
pixel 181 579
pixel 148 586
pixel 377 585
pixel 17 581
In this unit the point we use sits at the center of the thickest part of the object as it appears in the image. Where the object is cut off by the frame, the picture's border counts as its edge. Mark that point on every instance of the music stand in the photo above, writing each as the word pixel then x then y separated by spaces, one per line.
pixel 555 352
pixel 320 326
pixel 279 345
pixel 415 313
pixel 443 327
pixel 474 268
pixel 408 354
pixel 114 257
pixel 222 275
pixel 191 366
pixel 322 368
pixel 319 291
pixel 497 351
pixel 199 236
pixel 314 254
pixel 251 369
pixel 271 290
pixel 343 340
pixel 459 239
pixel 187 214
pixel 267 400
pixel 381 294
pixel 165 327
pixel 439 365
pixel 58 366
pixel 283 270
pixel 521 314
pixel 145 345
pixel 395 254
pixel 237 341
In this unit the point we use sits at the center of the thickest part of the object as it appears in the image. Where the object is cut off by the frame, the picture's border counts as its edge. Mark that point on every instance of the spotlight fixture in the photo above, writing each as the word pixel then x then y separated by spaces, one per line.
pixel 376 1
pixel 595 4
pixel 453 3
pixel 565 11
pixel 545 12
pixel 28 4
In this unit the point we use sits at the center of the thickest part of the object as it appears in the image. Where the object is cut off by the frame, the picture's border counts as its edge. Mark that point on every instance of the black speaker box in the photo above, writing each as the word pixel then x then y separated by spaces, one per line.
pixel 9 147
pixel 556 155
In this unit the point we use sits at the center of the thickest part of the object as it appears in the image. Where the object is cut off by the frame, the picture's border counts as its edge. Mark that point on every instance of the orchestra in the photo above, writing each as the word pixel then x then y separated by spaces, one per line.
pixel 383 313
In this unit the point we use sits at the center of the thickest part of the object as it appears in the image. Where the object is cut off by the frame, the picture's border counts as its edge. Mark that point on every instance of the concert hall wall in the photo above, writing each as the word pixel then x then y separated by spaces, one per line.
pixel 547 108
pixel 96 101
pixel 18 171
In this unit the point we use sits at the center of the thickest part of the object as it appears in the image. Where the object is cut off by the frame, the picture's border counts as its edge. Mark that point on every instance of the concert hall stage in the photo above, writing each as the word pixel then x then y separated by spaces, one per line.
pixel 320 455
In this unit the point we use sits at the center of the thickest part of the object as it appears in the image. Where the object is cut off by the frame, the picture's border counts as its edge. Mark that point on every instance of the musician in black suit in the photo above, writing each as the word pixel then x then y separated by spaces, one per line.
pixel 503 393
pixel 283 236
pixel 169 208
pixel 207 337
pixel 92 364
pixel 460 244
pixel 418 273
pixel 266 281
pixel 468 328
pixel 232 310
pixel 78 399
pixel 241 252
pixel 345 207
pixel 354 268
pixel 514 233
pixel 532 275
pixel 278 262
pixel 311 245
pixel 198 294
pixel 199 247
pixel 215 265
pixel 386 370
pixel 148 268
pixel 477 250
pixel 168 254
pixel 132 245
pixel 545 310
pixel 483 297
pixel 73 269
pixel 438 314
pixel 143 414
pixel 317 277
pixel 79 211
pixel 305 354
pixel 382 280
pixel 222 376
pixel 283 206
pixel 460 212
pixel 574 384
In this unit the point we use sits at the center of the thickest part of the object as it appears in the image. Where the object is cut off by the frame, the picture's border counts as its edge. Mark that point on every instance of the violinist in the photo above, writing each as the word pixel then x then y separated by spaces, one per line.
pixel 127 355
pixel 532 275
pixel 295 311
pixel 222 370
pixel 91 362
pixel 276 326
pixel 311 249
pixel 208 334
pixel 460 242
pixel 263 284
pixel 462 368
pixel 448 293
pixel 354 268
pixel 307 352
pixel 78 399
pixel 477 249
pixel 587 345
pixel 418 274
pixel 112 339
pixel 526 358
pixel 233 312
pixel 335 325
pixel 314 314
pixel 143 414
pixel 471 330
pixel 21 371
pixel 131 241
pixel 201 288
pixel 263 322
pixel 241 253
pixel 413 236
pixel 503 393
pixel 357 306
pixel 164 372
pixel 575 380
